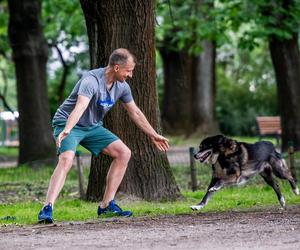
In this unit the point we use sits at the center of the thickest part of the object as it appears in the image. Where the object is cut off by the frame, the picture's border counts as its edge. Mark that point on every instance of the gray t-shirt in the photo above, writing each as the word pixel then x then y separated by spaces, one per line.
pixel 93 86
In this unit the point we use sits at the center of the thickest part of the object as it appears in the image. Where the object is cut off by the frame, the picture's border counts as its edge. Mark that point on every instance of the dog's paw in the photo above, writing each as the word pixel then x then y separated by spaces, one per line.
pixel 197 207
pixel 282 202
pixel 296 191
pixel 242 180
pixel 214 189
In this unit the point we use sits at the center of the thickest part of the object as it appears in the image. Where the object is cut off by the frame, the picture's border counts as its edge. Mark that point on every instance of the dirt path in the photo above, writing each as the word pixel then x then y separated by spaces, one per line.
pixel 234 230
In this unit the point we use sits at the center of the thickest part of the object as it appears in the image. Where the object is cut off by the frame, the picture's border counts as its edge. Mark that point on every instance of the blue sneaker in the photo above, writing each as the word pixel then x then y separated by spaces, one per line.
pixel 45 215
pixel 114 210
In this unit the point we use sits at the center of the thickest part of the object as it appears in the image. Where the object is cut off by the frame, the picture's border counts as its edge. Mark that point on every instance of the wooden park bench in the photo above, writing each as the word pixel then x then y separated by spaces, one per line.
pixel 269 126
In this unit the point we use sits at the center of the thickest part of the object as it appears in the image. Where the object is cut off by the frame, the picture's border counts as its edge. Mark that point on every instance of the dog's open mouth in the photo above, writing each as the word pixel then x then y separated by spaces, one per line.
pixel 203 156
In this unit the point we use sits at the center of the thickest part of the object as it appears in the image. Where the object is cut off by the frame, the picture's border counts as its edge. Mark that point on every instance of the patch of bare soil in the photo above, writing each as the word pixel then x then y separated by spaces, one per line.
pixel 267 229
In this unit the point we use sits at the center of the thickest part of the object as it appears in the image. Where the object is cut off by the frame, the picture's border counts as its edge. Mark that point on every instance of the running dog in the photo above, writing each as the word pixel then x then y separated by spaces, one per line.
pixel 236 162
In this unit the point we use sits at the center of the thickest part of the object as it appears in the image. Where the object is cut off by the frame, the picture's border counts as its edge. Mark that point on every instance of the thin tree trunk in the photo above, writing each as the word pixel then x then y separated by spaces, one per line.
pixel 204 91
pixel 30 56
pixel 189 91
pixel 176 110
pixel 286 61
pixel 63 82
pixel 129 24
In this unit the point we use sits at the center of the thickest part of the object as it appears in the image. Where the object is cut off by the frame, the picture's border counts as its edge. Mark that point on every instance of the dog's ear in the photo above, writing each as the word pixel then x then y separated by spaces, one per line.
pixel 221 139
pixel 221 142
pixel 232 144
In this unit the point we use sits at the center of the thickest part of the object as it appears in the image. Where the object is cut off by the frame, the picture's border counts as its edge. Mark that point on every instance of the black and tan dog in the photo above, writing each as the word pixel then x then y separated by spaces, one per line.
pixel 235 162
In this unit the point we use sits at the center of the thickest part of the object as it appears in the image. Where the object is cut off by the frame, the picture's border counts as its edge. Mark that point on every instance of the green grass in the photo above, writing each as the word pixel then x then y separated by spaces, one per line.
pixel 14 151
pixel 230 199
pixel 9 151
pixel 29 187
pixel 22 191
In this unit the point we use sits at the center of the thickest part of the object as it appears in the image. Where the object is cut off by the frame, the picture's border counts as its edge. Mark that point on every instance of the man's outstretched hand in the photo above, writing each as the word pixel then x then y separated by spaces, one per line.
pixel 160 142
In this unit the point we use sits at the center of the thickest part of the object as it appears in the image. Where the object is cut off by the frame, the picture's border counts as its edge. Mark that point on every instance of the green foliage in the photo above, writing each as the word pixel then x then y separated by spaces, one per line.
pixel 64 27
pixel 4 44
pixel 63 22
pixel 245 89
pixel 183 24
pixel 245 80
pixel 159 79
pixel 54 82
pixel 260 19
pixel 7 83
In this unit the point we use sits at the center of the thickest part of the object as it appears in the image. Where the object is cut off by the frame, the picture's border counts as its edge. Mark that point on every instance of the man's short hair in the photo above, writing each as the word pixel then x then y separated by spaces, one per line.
pixel 120 57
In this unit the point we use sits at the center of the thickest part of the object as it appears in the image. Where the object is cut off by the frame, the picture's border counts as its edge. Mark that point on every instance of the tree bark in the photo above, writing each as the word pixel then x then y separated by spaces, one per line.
pixel 204 91
pixel 129 24
pixel 63 82
pixel 176 110
pixel 30 57
pixel 189 91
pixel 286 61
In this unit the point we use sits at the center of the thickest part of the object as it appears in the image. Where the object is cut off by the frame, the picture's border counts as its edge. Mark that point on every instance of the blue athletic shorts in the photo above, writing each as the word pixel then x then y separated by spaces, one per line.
pixel 94 138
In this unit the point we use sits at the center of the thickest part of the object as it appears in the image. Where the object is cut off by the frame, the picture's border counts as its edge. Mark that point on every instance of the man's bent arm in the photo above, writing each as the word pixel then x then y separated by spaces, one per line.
pixel 80 107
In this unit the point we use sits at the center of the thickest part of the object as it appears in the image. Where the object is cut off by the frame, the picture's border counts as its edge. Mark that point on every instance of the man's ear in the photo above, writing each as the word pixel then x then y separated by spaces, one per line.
pixel 116 68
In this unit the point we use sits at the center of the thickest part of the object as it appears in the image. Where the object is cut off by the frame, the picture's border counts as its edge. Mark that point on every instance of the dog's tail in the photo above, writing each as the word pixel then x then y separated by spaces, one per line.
pixel 278 155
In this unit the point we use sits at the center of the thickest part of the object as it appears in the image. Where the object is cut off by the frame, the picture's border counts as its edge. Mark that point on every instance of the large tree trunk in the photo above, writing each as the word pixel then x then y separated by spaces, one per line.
pixel 286 61
pixel 204 91
pixel 176 110
pixel 30 56
pixel 114 24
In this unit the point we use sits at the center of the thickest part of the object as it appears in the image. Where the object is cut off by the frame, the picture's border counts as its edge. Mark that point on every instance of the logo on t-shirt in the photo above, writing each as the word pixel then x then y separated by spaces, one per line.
pixel 107 103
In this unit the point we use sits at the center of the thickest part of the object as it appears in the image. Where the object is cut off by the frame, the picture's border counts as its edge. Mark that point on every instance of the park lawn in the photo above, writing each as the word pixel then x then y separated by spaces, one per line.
pixel 23 189
pixel 232 199
pixel 24 210
pixel 14 151
pixel 9 151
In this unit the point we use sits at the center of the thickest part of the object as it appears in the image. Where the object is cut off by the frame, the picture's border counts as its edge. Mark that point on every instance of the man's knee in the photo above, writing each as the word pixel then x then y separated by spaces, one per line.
pixel 65 160
pixel 124 154
pixel 118 150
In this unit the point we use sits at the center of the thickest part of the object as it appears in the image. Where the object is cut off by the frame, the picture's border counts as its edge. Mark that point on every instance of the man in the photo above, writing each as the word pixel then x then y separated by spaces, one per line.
pixel 79 121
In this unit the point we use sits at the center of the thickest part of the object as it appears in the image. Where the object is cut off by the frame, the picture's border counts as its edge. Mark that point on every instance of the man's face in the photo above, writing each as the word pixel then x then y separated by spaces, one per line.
pixel 122 72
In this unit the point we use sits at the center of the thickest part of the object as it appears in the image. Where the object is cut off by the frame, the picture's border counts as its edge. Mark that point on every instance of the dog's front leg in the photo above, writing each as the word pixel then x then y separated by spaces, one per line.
pixel 208 194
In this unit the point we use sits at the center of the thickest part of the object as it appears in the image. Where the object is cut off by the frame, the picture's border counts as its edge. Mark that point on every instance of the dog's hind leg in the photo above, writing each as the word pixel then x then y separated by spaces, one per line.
pixel 267 175
pixel 281 170
pixel 218 185
pixel 207 196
